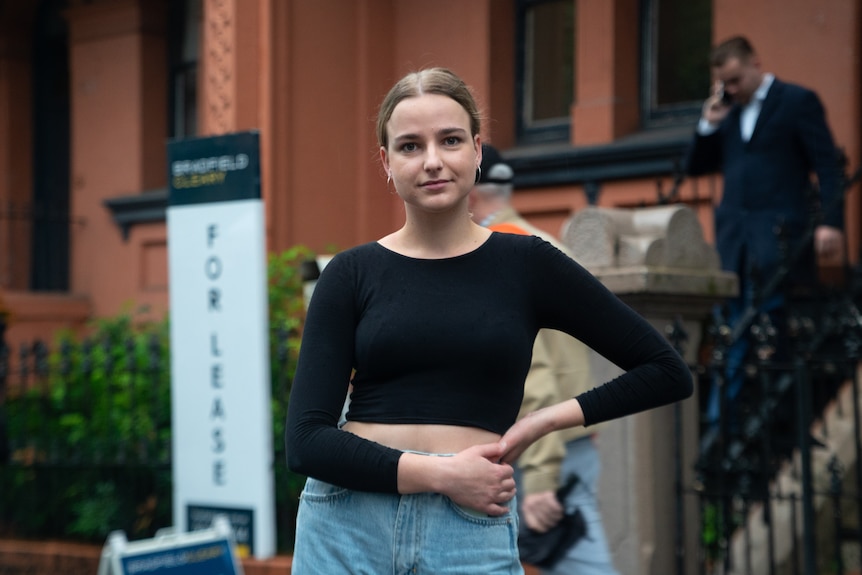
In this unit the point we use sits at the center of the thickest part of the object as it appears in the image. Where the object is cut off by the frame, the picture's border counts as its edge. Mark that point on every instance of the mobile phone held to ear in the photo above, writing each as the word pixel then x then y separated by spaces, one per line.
pixel 726 99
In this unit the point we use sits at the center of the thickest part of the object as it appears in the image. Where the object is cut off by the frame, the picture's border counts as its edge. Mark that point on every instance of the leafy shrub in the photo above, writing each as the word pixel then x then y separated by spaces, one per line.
pixel 286 311
pixel 90 436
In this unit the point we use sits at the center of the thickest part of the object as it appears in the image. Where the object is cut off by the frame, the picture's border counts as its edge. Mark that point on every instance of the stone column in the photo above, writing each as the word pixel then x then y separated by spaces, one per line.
pixel 654 259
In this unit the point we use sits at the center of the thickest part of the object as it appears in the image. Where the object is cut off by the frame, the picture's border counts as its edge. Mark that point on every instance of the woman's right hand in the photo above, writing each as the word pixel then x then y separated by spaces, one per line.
pixel 479 481
pixel 473 478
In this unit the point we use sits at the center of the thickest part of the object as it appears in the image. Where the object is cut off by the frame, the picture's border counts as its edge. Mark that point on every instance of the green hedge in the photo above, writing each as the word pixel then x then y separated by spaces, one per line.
pixel 89 435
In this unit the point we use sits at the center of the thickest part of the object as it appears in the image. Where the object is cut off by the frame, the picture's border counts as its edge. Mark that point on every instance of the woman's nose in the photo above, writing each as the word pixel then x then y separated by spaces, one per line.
pixel 432 159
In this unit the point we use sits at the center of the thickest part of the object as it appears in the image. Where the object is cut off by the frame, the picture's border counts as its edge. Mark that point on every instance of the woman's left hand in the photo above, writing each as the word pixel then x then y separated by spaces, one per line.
pixel 521 435
pixel 538 424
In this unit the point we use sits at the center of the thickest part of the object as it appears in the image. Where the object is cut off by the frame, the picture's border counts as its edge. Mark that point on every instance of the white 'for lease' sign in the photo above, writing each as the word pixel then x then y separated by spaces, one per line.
pixel 220 377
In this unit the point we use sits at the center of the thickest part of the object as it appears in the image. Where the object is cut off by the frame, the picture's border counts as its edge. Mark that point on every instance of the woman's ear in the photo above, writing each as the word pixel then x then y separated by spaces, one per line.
pixel 384 159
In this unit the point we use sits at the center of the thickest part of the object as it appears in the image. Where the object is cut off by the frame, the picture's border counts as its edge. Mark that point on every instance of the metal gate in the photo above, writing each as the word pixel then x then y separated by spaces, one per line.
pixel 778 471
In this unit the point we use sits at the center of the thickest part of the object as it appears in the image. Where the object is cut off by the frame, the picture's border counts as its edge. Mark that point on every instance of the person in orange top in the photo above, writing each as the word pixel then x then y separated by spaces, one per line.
pixel 559 370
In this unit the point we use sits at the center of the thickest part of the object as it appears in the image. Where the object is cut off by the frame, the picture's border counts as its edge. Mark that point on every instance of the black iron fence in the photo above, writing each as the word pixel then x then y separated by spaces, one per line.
pixel 85 437
pixel 778 476
pixel 86 440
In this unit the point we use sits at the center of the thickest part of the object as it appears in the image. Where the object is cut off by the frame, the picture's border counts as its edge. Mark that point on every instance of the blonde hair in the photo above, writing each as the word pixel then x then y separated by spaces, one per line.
pixel 428 81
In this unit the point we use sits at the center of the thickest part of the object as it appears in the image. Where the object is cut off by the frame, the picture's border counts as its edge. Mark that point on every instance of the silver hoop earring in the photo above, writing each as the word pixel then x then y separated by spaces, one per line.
pixel 388 177
pixel 478 173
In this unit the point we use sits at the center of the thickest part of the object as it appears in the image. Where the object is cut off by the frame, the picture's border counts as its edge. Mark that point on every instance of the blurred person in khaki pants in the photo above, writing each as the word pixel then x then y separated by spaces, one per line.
pixel 559 370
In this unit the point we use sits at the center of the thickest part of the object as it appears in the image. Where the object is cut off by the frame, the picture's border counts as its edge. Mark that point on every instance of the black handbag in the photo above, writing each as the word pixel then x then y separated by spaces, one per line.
pixel 545 549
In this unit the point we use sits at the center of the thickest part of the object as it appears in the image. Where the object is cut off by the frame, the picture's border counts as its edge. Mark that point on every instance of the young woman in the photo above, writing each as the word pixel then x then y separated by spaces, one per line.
pixel 436 322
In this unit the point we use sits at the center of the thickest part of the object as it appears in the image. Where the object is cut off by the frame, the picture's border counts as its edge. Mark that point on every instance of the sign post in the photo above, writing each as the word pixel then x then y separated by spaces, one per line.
pixel 220 376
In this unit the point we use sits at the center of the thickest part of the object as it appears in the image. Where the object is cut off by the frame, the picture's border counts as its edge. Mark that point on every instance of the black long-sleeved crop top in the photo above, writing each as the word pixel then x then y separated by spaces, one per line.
pixel 449 341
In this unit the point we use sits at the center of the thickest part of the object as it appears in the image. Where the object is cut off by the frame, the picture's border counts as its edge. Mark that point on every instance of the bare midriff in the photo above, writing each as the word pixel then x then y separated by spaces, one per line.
pixel 426 438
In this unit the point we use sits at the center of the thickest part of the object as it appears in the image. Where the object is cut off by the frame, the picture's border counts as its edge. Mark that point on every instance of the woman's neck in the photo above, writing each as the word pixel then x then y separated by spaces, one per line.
pixel 436 237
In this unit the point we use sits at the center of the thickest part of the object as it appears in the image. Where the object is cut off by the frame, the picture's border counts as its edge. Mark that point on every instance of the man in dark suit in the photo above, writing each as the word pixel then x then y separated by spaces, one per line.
pixel 767 137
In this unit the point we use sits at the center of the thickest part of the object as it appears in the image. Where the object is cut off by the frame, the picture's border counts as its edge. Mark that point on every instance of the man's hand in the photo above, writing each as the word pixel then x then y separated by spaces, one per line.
pixel 541 510
pixel 714 110
pixel 828 242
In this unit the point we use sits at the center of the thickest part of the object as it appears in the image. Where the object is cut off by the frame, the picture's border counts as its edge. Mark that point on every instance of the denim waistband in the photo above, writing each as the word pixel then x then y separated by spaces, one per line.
pixel 427 453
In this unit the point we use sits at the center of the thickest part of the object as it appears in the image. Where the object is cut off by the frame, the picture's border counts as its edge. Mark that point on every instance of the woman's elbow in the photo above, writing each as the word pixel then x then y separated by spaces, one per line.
pixel 293 452
pixel 683 382
pixel 295 462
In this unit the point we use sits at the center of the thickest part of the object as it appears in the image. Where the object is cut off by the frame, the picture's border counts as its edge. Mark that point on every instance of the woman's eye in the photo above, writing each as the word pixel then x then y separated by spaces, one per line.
pixel 408 147
pixel 452 141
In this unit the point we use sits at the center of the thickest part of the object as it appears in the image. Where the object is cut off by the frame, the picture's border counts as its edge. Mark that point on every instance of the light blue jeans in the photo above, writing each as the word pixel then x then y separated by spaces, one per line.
pixel 341 531
pixel 590 555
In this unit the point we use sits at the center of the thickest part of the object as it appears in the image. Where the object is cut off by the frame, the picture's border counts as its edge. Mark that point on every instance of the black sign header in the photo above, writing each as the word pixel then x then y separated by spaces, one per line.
pixel 214 169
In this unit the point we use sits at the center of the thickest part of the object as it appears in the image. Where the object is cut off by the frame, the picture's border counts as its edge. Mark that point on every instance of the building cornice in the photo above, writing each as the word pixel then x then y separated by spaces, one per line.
pixel 147 207
pixel 644 155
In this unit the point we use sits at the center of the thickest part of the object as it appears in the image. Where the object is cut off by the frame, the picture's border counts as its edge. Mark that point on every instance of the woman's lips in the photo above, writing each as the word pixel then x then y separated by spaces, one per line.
pixel 435 184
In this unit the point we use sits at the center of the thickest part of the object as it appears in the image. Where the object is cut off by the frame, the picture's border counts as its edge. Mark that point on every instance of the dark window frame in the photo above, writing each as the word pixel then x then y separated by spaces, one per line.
pixel 49 213
pixel 183 72
pixel 545 131
pixel 545 157
pixel 654 115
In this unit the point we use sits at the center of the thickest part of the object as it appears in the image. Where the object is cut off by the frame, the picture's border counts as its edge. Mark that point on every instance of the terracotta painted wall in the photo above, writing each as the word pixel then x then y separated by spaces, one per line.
pixel 118 134
pixel 325 186
pixel 331 191
pixel 325 141
pixel 606 88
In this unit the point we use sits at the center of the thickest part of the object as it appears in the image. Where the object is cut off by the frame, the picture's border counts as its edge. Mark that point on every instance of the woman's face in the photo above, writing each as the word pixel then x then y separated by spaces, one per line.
pixel 432 157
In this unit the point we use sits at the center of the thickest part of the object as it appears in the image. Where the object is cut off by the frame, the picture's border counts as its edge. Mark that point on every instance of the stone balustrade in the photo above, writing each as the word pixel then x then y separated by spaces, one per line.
pixel 657 249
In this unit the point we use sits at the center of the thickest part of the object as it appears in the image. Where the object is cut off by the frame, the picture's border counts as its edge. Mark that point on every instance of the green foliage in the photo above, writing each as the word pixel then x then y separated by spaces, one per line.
pixel 286 312
pixel 98 512
pixel 717 521
pixel 90 435
pixel 285 287
pixel 112 390
pixel 93 409
pixel 711 526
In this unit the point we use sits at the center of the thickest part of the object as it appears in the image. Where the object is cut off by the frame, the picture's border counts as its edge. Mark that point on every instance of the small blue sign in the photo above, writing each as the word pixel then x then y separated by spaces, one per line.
pixel 204 552
pixel 210 558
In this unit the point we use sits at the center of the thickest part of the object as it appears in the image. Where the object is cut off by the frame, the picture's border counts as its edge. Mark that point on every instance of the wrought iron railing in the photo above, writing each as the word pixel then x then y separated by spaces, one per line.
pixel 778 480
pixel 85 443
